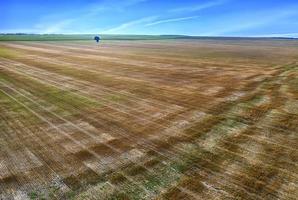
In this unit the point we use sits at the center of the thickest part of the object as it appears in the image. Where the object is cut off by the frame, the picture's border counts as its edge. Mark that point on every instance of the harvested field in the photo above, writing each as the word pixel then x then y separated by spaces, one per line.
pixel 155 119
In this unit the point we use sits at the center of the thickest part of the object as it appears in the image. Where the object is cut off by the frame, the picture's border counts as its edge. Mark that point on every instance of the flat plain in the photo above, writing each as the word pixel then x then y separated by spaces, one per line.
pixel 149 119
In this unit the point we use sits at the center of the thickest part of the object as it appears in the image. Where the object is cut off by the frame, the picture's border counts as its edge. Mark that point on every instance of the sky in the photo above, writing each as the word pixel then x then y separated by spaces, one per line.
pixel 265 18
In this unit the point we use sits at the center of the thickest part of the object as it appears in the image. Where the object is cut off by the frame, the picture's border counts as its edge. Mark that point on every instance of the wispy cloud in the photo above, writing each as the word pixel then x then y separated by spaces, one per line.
pixel 129 24
pixel 133 2
pixel 291 35
pixel 60 22
pixel 198 7
pixel 171 20
pixel 56 27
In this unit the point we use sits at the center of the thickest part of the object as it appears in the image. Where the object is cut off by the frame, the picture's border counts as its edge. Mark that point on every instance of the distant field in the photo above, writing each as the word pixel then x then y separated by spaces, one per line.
pixel 148 119
pixel 60 37
pixel 73 37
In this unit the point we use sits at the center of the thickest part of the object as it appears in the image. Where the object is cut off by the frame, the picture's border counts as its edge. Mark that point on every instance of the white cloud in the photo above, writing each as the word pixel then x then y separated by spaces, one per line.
pixel 171 20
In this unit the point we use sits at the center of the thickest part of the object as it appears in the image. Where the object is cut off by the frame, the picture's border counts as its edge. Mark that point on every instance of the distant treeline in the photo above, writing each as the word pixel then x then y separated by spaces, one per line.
pixel 57 37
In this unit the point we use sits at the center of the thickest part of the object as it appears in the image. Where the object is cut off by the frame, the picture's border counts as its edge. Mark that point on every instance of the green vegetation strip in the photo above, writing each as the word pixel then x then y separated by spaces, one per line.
pixel 50 94
pixel 8 53
pixel 61 37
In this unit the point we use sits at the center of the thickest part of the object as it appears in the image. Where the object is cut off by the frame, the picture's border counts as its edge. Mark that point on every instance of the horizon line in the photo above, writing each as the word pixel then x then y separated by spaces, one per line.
pixel 178 35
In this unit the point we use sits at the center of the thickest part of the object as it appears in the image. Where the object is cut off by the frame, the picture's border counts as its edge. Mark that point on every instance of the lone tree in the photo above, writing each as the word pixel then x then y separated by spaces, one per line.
pixel 97 38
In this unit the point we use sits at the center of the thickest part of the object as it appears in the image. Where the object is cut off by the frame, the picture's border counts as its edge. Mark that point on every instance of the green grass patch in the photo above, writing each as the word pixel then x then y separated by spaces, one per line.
pixel 130 191
pixel 15 110
pixel 117 178
pixel 8 53
pixel 62 99
pixel 293 85
pixel 33 195
pixel 115 98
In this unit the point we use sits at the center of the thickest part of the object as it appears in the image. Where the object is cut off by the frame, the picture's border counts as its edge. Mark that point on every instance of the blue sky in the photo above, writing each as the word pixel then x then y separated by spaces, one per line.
pixel 185 17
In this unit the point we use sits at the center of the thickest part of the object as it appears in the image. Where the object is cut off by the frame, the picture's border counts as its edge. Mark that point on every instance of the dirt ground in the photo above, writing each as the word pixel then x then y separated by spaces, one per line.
pixel 165 119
